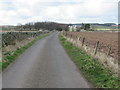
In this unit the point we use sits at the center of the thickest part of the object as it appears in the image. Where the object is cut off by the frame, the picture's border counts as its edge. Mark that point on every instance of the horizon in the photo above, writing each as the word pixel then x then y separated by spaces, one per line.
pixel 61 23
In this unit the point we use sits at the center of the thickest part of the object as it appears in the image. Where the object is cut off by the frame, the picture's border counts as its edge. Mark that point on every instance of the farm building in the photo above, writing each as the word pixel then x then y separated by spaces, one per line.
pixel 74 28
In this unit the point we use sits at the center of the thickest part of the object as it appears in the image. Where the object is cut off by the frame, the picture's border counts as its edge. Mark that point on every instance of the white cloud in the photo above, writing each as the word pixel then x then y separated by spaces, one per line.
pixel 67 11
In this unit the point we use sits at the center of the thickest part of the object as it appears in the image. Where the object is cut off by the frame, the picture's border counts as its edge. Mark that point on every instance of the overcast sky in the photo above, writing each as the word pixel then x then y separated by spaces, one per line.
pixel 13 12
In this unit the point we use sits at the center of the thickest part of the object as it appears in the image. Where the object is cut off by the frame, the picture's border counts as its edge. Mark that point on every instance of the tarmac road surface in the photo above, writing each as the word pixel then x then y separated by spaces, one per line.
pixel 44 65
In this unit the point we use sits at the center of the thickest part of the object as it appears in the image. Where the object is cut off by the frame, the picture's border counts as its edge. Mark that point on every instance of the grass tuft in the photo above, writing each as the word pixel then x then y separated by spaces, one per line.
pixel 94 72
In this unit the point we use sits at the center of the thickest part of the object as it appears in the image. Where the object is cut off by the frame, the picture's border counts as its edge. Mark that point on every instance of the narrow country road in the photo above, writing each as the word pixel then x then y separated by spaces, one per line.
pixel 44 65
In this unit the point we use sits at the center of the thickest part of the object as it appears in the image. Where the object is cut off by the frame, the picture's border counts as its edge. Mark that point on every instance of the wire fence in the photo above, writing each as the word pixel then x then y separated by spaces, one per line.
pixel 98 45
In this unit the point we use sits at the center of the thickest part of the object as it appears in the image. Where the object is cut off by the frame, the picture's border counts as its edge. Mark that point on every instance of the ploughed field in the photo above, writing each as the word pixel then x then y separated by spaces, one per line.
pixel 108 41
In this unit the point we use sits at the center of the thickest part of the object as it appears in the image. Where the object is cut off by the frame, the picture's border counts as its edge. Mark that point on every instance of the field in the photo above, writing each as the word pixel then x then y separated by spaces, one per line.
pixel 100 27
pixel 108 41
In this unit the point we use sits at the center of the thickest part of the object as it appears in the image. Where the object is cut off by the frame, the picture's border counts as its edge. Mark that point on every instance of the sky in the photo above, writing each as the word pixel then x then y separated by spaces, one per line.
pixel 13 12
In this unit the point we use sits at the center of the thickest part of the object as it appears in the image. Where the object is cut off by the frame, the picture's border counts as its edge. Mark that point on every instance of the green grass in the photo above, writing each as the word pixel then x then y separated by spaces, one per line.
pixel 11 57
pixel 93 71
pixel 97 27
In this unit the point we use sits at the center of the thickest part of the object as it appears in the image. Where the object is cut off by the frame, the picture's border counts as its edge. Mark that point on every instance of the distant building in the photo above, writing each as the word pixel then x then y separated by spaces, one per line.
pixel 72 28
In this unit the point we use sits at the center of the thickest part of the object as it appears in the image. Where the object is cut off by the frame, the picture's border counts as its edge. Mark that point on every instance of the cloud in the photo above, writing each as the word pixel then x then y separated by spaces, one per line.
pixel 65 11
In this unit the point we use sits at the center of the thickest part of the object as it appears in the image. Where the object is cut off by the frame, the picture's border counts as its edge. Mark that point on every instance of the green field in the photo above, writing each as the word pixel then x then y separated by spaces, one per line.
pixel 96 27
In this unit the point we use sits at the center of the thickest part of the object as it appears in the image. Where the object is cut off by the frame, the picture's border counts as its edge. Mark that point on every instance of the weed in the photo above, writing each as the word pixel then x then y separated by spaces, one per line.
pixel 94 72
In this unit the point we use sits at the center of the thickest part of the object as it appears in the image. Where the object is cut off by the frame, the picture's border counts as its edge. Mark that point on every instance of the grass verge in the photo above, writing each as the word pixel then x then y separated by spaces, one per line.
pixel 10 58
pixel 93 71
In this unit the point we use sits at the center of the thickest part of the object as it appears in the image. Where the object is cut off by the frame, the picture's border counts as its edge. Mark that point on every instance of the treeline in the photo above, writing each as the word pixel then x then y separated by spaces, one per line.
pixel 42 26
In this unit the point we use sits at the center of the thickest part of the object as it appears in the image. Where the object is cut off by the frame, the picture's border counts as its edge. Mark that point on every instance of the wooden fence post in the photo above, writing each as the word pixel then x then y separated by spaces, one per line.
pixel 79 38
pixel 83 41
pixel 76 36
pixel 96 48
pixel 71 37
pixel 109 49
pixel 76 40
